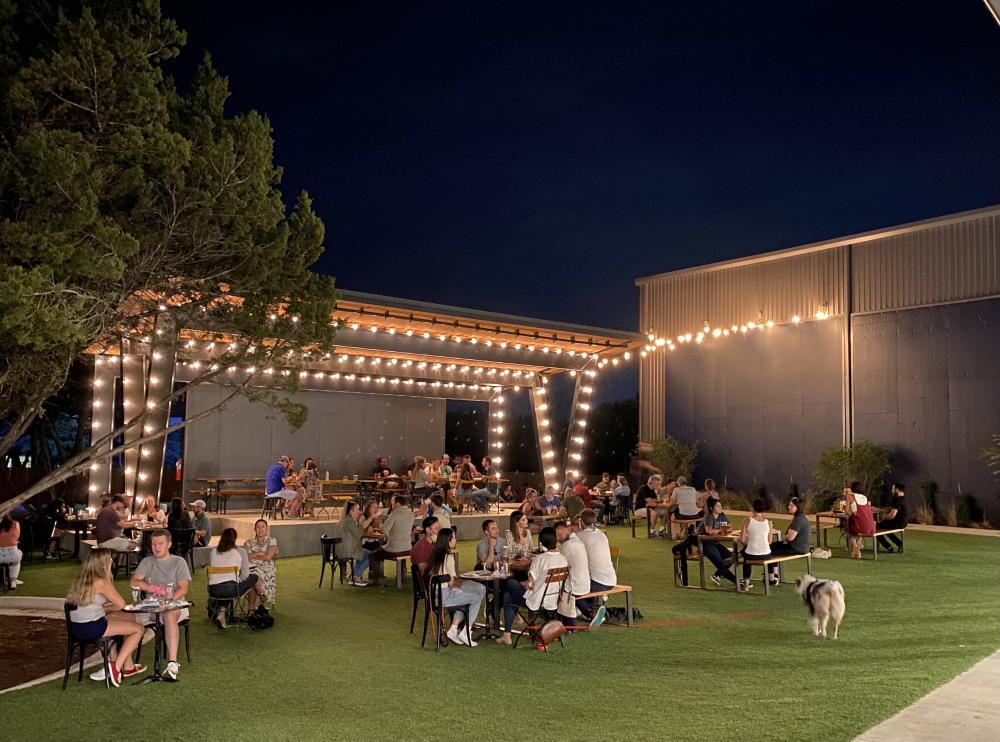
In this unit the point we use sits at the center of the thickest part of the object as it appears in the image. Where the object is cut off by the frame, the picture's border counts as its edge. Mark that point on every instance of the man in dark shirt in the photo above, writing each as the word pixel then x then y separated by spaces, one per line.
pixel 111 519
pixel 420 554
pixel 897 517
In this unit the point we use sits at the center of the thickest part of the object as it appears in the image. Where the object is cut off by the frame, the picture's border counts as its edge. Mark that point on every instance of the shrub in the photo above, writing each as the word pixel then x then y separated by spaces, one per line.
pixel 923 515
pixel 928 490
pixel 673 458
pixel 991 455
pixel 810 502
pixel 733 500
pixel 865 462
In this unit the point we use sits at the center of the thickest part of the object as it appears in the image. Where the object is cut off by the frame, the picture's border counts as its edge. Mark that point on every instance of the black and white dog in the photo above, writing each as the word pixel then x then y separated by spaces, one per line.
pixel 825 600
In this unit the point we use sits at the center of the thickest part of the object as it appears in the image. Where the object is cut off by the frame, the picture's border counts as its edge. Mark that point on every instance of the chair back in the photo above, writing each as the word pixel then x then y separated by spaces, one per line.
pixel 67 609
pixel 233 572
pixel 419 588
pixel 557 577
pixel 181 540
pixel 328 546
pixel 436 586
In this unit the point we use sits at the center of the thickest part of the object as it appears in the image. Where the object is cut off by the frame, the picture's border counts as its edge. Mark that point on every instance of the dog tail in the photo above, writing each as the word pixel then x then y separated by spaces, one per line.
pixel 837 608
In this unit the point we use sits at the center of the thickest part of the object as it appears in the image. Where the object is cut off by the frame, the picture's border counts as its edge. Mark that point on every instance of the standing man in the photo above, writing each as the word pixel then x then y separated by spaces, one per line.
pixel 397 528
pixel 157 575
pixel 202 524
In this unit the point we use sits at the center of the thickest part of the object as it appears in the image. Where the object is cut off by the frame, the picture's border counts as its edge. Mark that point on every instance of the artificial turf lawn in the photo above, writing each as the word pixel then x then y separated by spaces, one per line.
pixel 702 665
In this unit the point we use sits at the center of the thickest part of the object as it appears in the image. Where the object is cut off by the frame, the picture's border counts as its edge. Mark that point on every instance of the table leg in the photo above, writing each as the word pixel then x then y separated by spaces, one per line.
pixel 76 540
pixel 701 563
pixel 158 638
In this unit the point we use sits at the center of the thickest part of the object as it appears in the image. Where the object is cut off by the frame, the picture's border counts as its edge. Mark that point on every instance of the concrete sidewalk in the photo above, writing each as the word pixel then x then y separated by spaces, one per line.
pixel 967 708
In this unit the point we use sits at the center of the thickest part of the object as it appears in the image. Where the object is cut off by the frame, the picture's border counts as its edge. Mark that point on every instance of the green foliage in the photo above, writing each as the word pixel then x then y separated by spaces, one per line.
pixel 117 191
pixel 864 462
pixel 991 455
pixel 673 458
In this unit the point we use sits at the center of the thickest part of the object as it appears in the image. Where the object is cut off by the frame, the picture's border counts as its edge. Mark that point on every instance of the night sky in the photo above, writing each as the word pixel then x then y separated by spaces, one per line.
pixel 536 158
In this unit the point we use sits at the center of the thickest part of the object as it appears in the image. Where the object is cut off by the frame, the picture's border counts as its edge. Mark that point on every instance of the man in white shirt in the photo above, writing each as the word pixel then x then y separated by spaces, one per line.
pixel 571 547
pixel 602 566
pixel 533 593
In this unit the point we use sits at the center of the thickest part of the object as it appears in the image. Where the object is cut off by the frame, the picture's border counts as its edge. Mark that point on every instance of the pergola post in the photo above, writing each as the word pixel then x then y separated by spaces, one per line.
pixel 159 385
pixel 576 432
pixel 102 419
pixel 543 435
pixel 133 379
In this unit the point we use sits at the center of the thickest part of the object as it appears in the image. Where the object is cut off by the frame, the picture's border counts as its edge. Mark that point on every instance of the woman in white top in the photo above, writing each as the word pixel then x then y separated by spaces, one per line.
pixel 93 592
pixel 756 538
pixel 226 585
pixel 457 592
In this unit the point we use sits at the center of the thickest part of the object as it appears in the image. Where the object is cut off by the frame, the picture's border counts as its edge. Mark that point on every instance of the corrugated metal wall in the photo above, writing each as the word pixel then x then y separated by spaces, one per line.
pixel 953 262
pixel 957 259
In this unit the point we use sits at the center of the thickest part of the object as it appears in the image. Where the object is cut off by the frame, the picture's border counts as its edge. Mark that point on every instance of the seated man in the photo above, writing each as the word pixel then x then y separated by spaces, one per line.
pixel 202 524
pixel 571 547
pixel 573 505
pixel 622 492
pixel 420 554
pixel 896 517
pixel 111 520
pixel 599 562
pixel 437 508
pixel 646 496
pixel 532 593
pixel 491 547
pixel 397 529
pixel 158 575
pixel 276 485
pixel 549 503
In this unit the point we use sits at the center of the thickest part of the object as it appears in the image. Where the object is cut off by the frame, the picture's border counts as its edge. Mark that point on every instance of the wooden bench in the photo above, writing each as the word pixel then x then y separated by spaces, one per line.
pixel 878 533
pixel 689 556
pixel 680 521
pixel 401 568
pixel 616 590
pixel 780 561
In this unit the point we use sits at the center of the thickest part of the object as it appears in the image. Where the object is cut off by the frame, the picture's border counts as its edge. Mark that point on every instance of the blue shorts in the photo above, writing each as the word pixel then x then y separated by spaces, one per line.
pixel 90 630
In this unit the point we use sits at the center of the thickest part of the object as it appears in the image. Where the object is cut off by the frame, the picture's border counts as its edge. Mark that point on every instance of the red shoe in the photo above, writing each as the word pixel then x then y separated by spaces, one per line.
pixel 114 675
pixel 134 671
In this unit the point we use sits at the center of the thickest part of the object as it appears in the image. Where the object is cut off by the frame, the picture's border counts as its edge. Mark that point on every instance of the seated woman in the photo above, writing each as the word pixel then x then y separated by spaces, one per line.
pixel 228 554
pixel 457 592
pixel 178 517
pixel 261 551
pixel 798 536
pixel 369 523
pixel 10 534
pixel 422 483
pixel 92 592
pixel 531 504
pixel 714 551
pixel 467 487
pixel 756 538
pixel 896 517
pixel 350 543
pixel 860 520
pixel 150 511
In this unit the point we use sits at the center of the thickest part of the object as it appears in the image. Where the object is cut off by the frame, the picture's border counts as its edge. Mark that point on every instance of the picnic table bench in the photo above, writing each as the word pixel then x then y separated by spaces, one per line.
pixel 616 590
pixel 780 561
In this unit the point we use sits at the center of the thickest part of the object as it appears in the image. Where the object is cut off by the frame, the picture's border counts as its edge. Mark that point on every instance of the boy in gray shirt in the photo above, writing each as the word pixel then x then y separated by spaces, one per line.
pixel 152 576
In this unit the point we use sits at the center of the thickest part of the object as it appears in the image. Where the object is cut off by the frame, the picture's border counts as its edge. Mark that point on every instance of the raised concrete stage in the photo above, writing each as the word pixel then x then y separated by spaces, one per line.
pixel 301 537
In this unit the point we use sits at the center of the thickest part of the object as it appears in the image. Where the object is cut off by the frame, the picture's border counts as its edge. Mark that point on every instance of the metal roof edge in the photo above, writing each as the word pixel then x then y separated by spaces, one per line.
pixel 483 315
pixel 789 252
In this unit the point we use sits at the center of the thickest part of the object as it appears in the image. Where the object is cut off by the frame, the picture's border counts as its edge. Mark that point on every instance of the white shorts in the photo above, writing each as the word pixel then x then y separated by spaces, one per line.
pixel 285 494
pixel 641 512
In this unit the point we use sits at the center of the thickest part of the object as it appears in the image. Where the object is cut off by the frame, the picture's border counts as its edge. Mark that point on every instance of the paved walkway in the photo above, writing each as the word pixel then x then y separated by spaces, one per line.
pixel 967 708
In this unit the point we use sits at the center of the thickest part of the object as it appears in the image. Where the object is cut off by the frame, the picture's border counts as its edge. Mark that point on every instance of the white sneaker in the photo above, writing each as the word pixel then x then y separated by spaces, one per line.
pixel 457 636
pixel 18 582
pixel 715 580
pixel 221 620
pixel 172 671
pixel 98 676
pixel 358 582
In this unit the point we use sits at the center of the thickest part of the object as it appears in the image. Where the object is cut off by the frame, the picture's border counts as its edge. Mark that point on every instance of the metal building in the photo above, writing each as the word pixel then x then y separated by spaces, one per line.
pixel 891 336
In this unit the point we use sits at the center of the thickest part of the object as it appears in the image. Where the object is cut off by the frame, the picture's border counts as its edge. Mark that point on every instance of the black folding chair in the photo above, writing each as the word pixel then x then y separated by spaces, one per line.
pixel 437 609
pixel 104 644
pixel 182 544
pixel 419 594
pixel 534 620
pixel 328 551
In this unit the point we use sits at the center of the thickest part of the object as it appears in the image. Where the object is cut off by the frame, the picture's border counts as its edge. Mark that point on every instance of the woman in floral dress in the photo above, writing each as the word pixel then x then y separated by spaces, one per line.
pixel 261 550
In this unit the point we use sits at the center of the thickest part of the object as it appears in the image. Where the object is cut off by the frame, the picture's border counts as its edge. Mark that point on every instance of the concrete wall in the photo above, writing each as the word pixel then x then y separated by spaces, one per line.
pixel 345 433
pixel 927 382
pixel 762 406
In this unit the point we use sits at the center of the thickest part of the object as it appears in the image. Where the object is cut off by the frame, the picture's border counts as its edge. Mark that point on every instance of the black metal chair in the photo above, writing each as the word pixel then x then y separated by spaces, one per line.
pixel 419 594
pixel 104 644
pixel 5 582
pixel 435 607
pixel 328 552
pixel 182 544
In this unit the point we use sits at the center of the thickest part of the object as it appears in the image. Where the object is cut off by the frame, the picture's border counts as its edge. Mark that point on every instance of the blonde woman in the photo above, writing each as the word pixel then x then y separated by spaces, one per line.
pixel 150 511
pixel 93 592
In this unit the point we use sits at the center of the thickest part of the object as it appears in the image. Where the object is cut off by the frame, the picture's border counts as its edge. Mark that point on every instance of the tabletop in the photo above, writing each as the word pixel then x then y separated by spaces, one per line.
pixel 157 606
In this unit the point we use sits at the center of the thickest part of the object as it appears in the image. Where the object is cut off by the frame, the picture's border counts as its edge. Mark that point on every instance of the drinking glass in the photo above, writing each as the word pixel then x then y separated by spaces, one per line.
pixel 170 591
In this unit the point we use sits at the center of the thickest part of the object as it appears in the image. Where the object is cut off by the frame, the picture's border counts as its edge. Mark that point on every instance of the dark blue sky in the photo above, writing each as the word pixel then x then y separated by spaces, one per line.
pixel 524 157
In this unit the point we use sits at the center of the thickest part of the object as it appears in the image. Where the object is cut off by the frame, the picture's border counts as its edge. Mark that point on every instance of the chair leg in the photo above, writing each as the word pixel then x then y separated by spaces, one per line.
pixel 105 661
pixel 69 663
pixel 322 572
pixel 83 651
pixel 413 618
pixel 187 642
pixel 427 611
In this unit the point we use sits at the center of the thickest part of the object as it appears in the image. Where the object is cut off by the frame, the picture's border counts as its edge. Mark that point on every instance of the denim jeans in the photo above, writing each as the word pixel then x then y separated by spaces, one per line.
pixel 717 554
pixel 747 568
pixel 470 596
pixel 11 556
pixel 587 606
pixel 361 564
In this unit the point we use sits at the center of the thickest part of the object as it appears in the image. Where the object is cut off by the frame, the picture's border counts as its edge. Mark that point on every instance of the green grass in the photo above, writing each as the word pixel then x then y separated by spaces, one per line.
pixel 342 665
